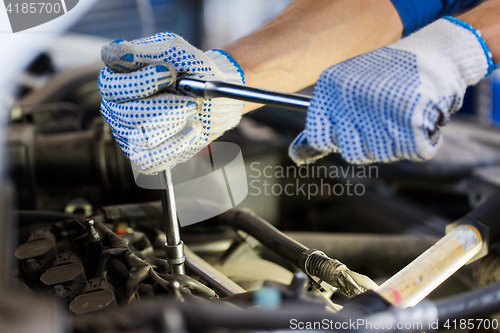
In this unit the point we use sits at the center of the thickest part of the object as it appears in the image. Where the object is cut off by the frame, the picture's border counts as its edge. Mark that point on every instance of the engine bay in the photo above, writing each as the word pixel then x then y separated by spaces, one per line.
pixel 84 250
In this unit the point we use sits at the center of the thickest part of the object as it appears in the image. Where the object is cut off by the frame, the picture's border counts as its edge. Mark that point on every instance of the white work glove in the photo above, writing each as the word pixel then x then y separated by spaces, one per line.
pixel 388 104
pixel 159 131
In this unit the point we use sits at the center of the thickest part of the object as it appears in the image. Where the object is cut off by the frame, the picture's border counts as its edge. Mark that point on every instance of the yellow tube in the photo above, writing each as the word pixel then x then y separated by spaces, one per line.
pixel 414 282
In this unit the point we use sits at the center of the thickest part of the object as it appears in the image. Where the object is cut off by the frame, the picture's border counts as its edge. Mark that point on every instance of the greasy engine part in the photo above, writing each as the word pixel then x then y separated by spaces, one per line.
pixel 122 278
pixel 332 271
pixel 40 163
pixel 89 250
pixel 59 147
pixel 310 261
pixel 62 154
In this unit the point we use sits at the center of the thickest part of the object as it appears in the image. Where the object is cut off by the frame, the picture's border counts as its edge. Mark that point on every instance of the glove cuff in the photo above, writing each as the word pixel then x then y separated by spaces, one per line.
pixel 489 57
pixel 229 111
pixel 233 62
pixel 451 45
pixel 228 69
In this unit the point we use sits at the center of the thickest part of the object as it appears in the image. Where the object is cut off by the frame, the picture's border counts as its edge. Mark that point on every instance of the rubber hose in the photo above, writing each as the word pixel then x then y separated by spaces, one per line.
pixel 472 304
pixel 264 232
pixel 106 255
pixel 156 262
pixel 316 265
pixel 387 252
pixel 198 316
pixel 244 220
pixel 116 241
pixel 27 217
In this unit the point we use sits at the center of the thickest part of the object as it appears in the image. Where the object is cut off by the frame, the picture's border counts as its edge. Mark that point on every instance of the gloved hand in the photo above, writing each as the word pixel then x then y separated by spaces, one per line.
pixel 158 130
pixel 388 104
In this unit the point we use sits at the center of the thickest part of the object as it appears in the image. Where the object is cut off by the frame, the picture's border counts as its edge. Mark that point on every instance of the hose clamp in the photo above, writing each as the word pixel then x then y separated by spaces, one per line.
pixel 304 259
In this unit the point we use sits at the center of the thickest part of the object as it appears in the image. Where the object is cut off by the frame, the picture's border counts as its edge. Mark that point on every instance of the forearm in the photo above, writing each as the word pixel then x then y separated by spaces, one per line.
pixel 486 18
pixel 290 52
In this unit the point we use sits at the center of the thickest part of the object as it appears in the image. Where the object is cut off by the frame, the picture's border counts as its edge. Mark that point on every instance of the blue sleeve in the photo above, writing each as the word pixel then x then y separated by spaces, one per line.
pixel 416 14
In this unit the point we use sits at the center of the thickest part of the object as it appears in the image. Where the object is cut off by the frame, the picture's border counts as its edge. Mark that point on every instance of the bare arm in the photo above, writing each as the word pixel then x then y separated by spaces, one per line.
pixel 290 52
pixel 486 18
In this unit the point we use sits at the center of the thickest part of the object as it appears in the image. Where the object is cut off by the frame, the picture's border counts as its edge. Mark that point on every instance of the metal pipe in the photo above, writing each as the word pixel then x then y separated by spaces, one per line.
pixel 174 245
pixel 211 276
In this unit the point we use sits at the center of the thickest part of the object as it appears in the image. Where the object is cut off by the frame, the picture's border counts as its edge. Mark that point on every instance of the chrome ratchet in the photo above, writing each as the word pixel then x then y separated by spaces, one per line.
pixel 195 86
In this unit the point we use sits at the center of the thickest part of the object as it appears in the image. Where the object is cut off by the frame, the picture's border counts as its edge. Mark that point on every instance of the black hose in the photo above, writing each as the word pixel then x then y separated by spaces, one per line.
pixel 26 217
pixel 308 260
pixel 473 304
pixel 106 255
pixel 7 229
pixel 117 242
pixel 488 214
pixel 388 253
pixel 139 268
pixel 198 317
pixel 158 263
pixel 244 220
pixel 264 232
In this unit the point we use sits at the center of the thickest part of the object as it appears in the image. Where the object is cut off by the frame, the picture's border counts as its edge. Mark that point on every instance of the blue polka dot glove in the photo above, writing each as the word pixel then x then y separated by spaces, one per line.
pixel 387 105
pixel 155 128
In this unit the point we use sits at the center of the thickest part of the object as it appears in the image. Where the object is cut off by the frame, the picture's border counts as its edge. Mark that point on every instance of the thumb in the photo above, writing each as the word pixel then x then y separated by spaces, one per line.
pixel 301 152
pixel 119 55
